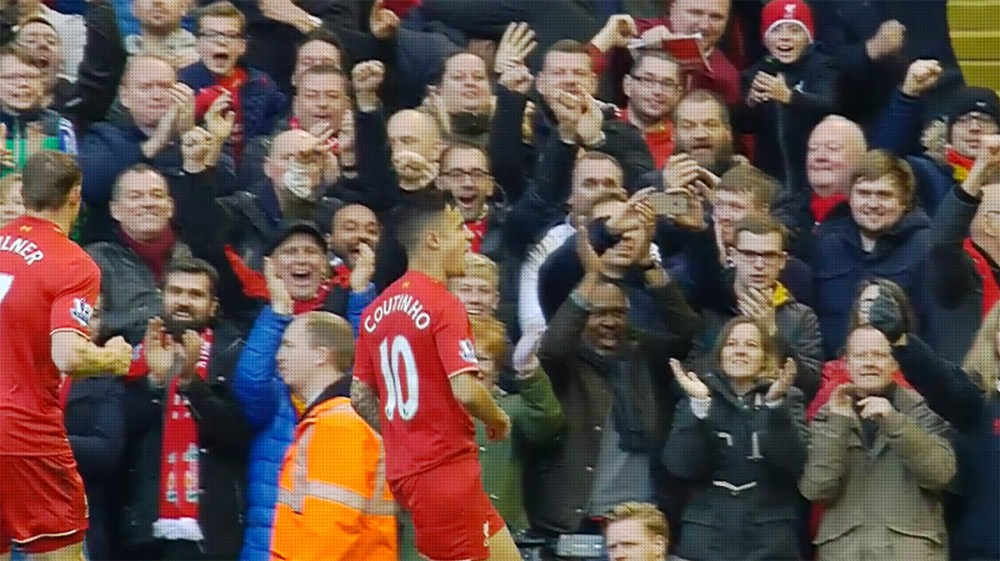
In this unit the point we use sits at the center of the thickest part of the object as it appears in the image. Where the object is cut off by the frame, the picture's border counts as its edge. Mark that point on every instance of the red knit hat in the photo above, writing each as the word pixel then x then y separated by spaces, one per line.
pixel 778 12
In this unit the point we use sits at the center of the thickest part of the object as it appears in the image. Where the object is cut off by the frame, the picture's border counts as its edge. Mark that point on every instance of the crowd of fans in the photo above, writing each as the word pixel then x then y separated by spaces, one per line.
pixel 756 289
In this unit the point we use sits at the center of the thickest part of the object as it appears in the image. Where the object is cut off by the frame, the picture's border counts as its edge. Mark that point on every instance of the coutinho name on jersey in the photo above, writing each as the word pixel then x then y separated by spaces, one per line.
pixel 404 303
pixel 25 248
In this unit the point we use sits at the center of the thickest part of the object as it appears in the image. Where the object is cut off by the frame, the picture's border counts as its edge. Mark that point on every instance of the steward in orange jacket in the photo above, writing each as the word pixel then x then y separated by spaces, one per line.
pixel 333 500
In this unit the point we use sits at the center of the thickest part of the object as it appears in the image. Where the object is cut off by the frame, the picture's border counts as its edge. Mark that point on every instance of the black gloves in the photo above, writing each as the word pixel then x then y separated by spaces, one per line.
pixel 886 315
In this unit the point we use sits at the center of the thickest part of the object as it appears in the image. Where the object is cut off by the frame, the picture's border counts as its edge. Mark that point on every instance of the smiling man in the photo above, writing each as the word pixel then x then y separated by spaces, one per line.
pixel 133 262
pixel 29 127
pixel 881 234
pixel 654 88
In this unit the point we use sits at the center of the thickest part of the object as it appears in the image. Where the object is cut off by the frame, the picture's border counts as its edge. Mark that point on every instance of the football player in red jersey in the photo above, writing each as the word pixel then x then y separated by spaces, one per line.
pixel 48 286
pixel 416 377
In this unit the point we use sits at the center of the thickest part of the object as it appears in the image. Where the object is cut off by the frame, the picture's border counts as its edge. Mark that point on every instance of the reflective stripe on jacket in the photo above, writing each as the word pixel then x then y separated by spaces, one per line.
pixel 333 499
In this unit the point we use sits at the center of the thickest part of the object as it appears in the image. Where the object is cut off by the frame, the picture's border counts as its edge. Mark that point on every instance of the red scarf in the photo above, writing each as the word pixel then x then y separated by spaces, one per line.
pixel 821 207
pixel 255 285
pixel 478 229
pixel 179 489
pixel 960 163
pixel 154 254
pixel 991 291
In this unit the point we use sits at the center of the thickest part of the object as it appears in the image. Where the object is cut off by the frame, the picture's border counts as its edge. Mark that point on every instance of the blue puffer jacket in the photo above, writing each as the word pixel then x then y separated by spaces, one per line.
pixel 268 407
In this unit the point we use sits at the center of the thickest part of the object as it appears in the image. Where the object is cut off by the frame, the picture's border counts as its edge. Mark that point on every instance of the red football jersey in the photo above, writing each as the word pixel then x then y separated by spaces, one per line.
pixel 47 284
pixel 413 339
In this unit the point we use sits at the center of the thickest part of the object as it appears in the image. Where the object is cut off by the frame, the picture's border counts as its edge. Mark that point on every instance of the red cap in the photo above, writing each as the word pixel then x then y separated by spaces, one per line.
pixel 778 12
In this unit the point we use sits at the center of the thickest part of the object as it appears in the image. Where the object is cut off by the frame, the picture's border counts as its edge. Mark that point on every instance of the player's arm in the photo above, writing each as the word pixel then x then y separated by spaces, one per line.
pixel 78 357
pixel 469 391
pixel 364 399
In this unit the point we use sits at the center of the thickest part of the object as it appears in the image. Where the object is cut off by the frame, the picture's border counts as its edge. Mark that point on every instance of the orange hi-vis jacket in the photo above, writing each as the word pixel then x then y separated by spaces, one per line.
pixel 333 500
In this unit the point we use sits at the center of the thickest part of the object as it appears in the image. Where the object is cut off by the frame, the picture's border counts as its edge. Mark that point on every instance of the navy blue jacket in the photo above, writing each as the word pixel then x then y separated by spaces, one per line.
pixel 96 433
pixel 111 147
pixel 841 265
pixel 952 395
pixel 263 104
pixel 782 131
pixel 843 26
pixel 953 287
pixel 898 131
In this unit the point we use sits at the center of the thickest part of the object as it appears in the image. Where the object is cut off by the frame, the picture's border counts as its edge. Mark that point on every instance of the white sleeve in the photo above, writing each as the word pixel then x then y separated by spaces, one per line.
pixel 529 305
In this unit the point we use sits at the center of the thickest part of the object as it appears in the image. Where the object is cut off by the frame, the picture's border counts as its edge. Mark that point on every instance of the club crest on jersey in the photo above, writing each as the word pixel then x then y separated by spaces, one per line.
pixel 81 311
pixel 467 350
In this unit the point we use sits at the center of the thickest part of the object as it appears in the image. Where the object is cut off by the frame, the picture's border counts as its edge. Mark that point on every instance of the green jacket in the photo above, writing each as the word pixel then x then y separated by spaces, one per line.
pixel 537 419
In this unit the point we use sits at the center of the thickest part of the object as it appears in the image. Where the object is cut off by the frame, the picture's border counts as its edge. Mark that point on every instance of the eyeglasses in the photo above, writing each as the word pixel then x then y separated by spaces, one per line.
pixel 473 174
pixel 222 35
pixel 768 257
pixel 650 82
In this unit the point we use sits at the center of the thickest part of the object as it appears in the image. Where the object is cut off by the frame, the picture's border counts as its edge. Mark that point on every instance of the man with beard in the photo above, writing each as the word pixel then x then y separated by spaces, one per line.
pixel 654 87
pixel 703 131
pixel 188 439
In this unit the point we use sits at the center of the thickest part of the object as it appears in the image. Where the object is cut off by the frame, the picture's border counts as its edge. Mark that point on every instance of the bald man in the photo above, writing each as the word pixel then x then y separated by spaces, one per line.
pixel 150 134
pixel 296 170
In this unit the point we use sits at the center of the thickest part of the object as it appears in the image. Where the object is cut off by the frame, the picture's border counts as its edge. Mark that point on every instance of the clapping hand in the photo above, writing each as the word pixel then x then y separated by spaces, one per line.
pixel 689 381
pixel 766 88
pixel 786 377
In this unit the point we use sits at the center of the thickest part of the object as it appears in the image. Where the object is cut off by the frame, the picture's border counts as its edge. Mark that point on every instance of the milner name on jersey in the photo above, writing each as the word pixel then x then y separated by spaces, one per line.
pixel 25 248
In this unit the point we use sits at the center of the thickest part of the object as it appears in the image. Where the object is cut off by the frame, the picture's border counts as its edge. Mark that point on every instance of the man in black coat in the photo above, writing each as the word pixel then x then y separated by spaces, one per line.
pixel 188 439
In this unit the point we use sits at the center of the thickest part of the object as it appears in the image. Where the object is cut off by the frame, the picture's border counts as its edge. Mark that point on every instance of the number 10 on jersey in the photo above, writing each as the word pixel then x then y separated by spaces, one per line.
pixel 398 362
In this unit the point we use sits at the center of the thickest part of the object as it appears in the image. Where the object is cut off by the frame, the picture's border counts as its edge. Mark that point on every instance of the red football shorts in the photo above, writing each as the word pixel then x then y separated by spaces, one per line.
pixel 43 507
pixel 452 517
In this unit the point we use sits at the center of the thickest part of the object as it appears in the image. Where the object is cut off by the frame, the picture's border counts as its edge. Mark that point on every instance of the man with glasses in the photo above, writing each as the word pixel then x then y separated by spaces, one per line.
pixel 758 256
pixel 322 107
pixel 251 95
pixel 654 88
